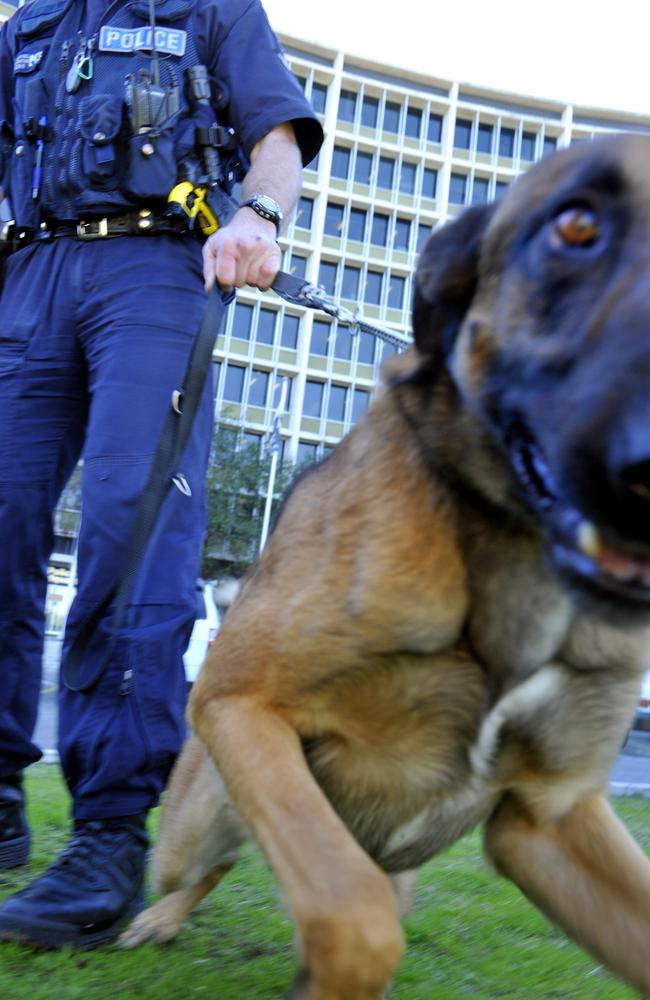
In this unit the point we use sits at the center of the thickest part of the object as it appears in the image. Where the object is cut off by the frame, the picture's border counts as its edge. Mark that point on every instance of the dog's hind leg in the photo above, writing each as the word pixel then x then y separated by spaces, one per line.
pixel 586 873
pixel 404 884
pixel 200 833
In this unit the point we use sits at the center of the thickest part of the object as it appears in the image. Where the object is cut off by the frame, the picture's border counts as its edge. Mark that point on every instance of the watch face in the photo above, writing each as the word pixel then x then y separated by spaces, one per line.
pixel 268 205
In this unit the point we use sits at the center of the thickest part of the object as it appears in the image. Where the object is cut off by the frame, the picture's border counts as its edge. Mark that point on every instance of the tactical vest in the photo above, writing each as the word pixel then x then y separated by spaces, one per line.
pixel 78 145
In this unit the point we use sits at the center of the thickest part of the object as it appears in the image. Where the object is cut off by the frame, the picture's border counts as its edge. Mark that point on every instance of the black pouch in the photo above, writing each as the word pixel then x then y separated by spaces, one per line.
pixel 99 161
pixel 152 166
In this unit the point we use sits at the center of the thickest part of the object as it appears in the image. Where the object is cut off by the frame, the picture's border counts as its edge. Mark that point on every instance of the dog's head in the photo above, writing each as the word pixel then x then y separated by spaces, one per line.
pixel 539 306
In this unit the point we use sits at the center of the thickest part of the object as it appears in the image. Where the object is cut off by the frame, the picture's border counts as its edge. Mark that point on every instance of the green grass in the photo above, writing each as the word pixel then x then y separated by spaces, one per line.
pixel 470 934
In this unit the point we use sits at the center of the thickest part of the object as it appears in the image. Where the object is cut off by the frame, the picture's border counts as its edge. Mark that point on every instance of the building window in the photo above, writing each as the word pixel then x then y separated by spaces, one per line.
pixel 319 97
pixel 258 388
pixel 343 345
pixel 234 384
pixel 242 321
pixel 320 337
pixel 327 276
pixel 298 265
pixel 363 168
pixel 333 219
pixel 462 133
pixel 480 190
pixel 360 400
pixel 347 105
pixel 413 127
pixel 341 162
pixel 370 112
pixel 549 145
pixel 306 453
pixel 266 326
pixel 407 178
pixel 429 182
pixel 250 439
pixel 367 342
pixel 372 291
pixel 386 173
pixel 379 231
pixel 313 403
pixel 336 404
pixel 457 189
pixel 289 334
pixel 434 128
pixel 528 141
pixel 484 138
pixel 391 117
pixel 304 213
pixel 402 234
pixel 507 142
pixel 350 283
pixel 499 188
pixel 357 224
pixel 424 232
pixel 396 290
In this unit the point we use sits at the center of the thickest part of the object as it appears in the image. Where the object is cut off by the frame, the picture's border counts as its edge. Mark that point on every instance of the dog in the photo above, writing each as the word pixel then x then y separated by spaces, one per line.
pixel 450 622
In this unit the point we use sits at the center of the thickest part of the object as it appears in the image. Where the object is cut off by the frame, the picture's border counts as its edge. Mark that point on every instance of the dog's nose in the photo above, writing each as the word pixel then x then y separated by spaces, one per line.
pixel 635 479
pixel 629 468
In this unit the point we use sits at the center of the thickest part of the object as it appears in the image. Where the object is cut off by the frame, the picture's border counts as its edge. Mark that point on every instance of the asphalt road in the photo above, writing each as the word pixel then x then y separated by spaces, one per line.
pixel 631 773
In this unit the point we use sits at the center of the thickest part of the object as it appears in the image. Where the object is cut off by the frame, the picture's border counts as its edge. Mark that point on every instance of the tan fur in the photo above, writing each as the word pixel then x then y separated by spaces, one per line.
pixel 402 665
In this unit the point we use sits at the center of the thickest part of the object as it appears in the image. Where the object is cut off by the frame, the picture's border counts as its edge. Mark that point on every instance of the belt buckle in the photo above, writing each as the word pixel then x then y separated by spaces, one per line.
pixel 96 229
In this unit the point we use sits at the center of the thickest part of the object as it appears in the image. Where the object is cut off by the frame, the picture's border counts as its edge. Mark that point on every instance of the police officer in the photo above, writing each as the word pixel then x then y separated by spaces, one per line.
pixel 103 111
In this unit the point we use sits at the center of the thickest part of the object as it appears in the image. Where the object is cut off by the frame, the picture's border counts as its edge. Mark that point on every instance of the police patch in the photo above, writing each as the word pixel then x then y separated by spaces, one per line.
pixel 26 62
pixel 169 41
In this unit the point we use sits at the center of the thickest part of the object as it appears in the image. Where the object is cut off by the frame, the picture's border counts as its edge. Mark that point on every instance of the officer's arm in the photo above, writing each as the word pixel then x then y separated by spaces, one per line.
pixel 245 252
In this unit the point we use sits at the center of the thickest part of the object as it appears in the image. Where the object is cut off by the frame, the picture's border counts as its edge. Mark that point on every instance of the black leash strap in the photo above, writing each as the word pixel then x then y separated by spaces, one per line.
pixel 164 466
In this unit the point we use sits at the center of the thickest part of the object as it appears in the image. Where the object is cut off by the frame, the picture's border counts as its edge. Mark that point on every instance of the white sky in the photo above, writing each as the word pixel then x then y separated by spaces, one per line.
pixel 591 53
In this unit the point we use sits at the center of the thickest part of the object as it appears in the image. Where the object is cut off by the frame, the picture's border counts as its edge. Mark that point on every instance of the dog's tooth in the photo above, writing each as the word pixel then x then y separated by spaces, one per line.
pixel 588 539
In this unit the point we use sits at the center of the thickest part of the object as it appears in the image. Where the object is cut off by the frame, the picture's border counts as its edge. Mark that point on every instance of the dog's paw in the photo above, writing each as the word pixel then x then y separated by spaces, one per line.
pixel 157 925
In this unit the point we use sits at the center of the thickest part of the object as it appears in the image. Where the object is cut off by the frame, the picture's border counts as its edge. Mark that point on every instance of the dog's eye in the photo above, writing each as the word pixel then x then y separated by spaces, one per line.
pixel 575 227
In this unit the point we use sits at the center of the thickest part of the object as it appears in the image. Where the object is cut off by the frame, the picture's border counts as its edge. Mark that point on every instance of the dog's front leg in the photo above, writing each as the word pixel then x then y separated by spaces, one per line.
pixel 587 874
pixel 347 924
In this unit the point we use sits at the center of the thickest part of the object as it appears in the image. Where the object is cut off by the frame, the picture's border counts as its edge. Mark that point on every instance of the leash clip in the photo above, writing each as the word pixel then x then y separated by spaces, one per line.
pixel 177 401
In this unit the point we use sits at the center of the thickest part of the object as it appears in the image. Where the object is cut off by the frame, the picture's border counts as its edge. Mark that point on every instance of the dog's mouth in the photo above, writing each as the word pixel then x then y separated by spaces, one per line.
pixel 578 546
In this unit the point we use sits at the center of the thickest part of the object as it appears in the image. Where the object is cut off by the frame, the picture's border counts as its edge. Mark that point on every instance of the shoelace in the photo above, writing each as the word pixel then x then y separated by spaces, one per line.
pixel 87 842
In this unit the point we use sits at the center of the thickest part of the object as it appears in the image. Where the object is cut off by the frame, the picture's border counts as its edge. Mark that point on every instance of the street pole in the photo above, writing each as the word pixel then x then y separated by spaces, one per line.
pixel 275 450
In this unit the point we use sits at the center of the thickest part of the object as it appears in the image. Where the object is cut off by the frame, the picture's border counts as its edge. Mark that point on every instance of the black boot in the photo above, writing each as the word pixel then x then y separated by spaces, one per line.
pixel 14 831
pixel 87 896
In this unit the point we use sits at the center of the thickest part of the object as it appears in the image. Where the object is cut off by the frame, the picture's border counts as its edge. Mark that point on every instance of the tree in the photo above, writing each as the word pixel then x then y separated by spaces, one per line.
pixel 237 483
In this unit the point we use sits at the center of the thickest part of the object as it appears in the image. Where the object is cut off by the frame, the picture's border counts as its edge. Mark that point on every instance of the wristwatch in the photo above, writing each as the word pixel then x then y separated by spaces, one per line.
pixel 266 207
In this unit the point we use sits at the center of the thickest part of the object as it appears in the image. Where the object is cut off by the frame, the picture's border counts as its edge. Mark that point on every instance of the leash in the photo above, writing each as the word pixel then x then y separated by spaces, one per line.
pixel 302 293
pixel 171 444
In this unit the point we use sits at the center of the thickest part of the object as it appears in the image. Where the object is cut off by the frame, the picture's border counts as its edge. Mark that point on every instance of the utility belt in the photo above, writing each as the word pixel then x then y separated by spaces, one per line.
pixel 139 222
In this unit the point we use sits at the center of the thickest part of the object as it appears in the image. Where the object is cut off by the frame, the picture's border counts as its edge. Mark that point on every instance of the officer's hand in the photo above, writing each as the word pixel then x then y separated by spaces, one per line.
pixel 244 252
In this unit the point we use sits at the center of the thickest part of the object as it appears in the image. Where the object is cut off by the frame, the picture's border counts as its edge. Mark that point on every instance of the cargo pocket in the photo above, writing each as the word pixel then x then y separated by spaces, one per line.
pixel 99 158
pixel 16 332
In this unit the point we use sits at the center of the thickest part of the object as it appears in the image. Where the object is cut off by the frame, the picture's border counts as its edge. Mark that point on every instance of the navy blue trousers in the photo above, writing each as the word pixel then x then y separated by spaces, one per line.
pixel 94 337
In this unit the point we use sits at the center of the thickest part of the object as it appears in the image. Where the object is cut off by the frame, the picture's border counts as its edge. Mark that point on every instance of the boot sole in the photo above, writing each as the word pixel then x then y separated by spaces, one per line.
pixel 14 853
pixel 51 936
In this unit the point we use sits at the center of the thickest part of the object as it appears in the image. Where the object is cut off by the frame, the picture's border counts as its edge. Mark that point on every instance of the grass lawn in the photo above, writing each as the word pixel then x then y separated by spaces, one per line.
pixel 471 934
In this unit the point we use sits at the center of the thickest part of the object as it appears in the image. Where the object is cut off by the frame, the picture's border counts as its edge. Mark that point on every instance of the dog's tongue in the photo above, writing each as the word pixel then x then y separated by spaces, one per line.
pixel 621 565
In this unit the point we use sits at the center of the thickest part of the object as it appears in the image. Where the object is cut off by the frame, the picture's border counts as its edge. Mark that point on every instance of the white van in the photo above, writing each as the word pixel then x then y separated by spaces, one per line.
pixel 205 629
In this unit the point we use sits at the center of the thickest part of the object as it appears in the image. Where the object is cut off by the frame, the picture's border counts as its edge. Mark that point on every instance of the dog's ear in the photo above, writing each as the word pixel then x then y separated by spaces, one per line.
pixel 445 281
